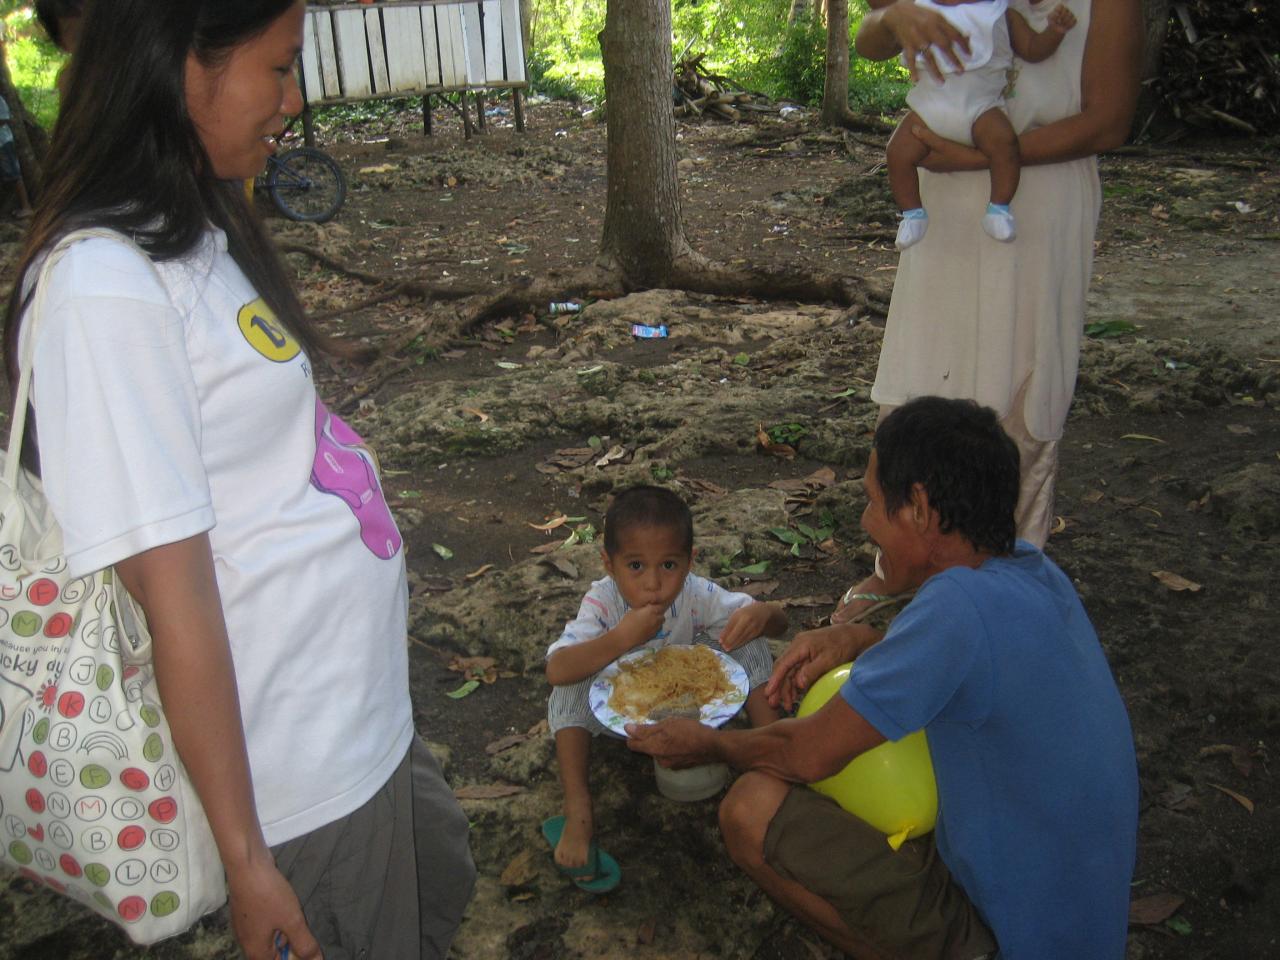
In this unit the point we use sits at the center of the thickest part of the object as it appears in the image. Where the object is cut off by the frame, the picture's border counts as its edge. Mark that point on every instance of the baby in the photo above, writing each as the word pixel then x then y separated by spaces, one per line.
pixel 969 106
pixel 649 599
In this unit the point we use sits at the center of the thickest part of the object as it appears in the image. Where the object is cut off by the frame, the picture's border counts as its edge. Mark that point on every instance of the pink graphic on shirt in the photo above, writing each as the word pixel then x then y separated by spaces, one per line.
pixel 343 468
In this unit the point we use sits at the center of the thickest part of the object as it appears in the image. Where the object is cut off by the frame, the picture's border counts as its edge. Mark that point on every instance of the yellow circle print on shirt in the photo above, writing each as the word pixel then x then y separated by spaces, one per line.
pixel 264 332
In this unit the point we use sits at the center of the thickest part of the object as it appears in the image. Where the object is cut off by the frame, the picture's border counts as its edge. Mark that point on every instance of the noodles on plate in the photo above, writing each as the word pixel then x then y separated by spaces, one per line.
pixel 675 678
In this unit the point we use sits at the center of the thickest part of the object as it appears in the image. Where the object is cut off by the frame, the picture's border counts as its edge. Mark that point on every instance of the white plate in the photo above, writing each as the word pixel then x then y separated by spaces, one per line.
pixel 713 714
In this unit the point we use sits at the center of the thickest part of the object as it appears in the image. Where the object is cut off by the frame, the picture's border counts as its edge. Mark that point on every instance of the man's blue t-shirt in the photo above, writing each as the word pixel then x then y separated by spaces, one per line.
pixel 1031 746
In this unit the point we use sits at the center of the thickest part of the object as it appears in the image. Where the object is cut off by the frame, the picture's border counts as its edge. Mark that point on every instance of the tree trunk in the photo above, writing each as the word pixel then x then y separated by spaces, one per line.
pixel 643 231
pixel 526 25
pixel 30 166
pixel 798 9
pixel 835 86
pixel 1155 14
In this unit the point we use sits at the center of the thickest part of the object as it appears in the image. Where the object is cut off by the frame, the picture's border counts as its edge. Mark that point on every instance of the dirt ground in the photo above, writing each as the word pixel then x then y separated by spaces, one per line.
pixel 1169 505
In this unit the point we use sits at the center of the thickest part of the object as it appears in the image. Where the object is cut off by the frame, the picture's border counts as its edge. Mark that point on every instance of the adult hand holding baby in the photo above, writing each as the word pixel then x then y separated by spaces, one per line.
pixel 915 31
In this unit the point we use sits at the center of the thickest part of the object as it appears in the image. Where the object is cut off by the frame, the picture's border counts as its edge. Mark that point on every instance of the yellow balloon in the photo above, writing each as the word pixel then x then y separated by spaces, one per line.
pixel 890 786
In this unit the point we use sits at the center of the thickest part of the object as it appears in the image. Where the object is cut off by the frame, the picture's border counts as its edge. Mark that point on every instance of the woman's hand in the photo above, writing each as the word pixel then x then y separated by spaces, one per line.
pixel 916 32
pixel 948 156
pixel 265 913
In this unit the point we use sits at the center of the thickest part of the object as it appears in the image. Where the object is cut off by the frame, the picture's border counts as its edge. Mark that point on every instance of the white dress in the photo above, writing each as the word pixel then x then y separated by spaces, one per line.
pixel 972 317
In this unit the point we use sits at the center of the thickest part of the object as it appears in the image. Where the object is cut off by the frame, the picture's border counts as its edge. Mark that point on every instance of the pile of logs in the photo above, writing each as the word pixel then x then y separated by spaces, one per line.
pixel 1219 66
pixel 699 93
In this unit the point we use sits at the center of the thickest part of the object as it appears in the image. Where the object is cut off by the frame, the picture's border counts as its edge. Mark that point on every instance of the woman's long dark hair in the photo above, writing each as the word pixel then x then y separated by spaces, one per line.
pixel 126 155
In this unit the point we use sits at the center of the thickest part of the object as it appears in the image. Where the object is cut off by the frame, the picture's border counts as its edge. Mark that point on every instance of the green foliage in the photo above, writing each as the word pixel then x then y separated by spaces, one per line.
pixel 33 61
pixel 799 70
pixel 746 41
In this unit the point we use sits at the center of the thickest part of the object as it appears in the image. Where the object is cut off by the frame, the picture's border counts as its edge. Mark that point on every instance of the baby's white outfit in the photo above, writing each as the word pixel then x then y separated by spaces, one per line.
pixel 950 108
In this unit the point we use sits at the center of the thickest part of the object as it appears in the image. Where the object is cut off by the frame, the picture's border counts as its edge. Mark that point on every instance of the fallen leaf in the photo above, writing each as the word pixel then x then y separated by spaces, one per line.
pixel 1239 798
pixel 380 168
pixel 442 551
pixel 1240 757
pixel 505 743
pixel 759 588
pixel 1155 909
pixel 1140 436
pixel 766 445
pixel 1177 797
pixel 1093 496
pixel 520 870
pixel 1059 524
pixel 435 583
pixel 1175 581
pixel 479 571
pixel 475 668
pixel 547 547
pixel 565 567
pixel 647 930
pixel 487 791
pixel 818 600
pixel 478 414
pixel 616 453
pixel 463 690
pixel 550 525
pixel 522 896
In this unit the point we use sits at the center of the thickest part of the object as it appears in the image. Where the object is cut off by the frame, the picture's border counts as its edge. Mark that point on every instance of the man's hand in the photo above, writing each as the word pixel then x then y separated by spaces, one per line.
pixel 812 654
pixel 676 743
pixel 266 915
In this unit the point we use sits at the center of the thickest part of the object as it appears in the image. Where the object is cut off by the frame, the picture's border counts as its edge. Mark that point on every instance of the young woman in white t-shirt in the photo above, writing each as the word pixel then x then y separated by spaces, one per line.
pixel 181 440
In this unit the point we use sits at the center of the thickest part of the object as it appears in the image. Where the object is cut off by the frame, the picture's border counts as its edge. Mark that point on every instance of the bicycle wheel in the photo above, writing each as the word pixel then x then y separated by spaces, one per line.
pixel 306 184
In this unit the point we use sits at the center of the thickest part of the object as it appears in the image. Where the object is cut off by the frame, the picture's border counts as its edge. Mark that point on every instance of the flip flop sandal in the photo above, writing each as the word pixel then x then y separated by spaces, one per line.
pixel 599 874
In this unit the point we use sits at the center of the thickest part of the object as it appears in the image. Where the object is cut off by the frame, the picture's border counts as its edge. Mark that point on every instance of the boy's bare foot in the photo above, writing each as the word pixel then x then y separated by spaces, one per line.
pixel 575 841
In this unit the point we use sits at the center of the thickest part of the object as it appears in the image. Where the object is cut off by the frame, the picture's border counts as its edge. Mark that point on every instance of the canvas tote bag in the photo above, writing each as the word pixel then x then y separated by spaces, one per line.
pixel 94 802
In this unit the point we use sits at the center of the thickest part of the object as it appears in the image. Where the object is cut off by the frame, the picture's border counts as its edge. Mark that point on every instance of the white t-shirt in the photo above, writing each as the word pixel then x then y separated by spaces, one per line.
pixel 169 402
pixel 702 606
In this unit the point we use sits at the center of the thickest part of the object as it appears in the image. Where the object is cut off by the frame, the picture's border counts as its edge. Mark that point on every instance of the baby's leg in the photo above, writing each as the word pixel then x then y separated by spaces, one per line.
pixel 903 156
pixel 758 710
pixel 993 134
pixel 573 750
pixel 995 137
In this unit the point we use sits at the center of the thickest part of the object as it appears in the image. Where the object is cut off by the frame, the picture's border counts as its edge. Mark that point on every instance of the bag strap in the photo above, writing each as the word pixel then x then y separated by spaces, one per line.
pixel 26 356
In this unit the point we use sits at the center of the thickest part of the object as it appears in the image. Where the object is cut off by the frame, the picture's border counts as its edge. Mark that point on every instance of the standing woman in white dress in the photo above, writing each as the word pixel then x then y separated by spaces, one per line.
pixel 181 442
pixel 1002 323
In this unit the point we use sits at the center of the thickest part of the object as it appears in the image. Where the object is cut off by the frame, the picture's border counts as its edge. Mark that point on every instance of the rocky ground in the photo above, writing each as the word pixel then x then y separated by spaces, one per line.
pixel 500 443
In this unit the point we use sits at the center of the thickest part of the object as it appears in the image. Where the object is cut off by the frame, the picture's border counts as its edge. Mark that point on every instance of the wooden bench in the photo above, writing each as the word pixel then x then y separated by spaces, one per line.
pixel 414 48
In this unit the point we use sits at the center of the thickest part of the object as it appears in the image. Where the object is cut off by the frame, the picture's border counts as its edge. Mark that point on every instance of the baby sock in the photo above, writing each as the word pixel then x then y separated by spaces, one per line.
pixel 998 222
pixel 911 230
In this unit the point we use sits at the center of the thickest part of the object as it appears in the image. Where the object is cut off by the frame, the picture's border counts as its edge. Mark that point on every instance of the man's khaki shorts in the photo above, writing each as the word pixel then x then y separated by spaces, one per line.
pixel 902 902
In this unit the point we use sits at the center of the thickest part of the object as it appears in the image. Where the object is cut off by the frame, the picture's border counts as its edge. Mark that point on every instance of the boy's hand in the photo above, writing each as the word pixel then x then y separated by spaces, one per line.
pixel 744 625
pixel 643 623
pixel 1061 19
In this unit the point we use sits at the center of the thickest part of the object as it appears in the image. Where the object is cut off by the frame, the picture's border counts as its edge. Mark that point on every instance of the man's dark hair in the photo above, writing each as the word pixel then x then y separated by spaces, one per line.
pixel 646 506
pixel 50 14
pixel 965 461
